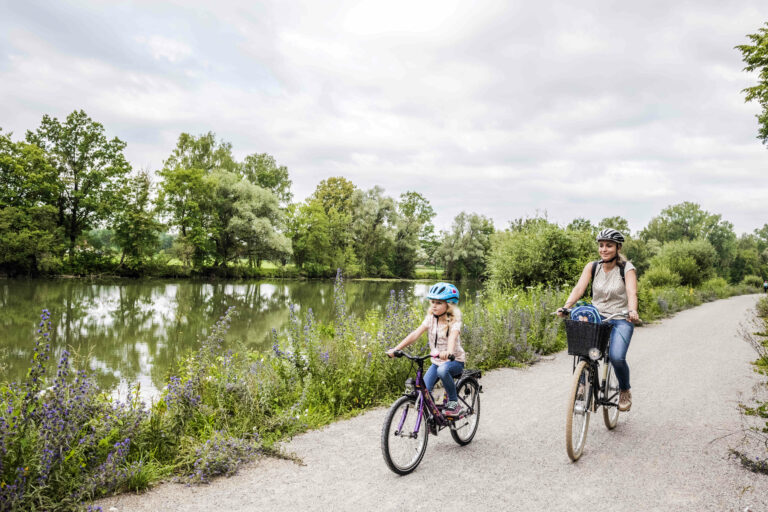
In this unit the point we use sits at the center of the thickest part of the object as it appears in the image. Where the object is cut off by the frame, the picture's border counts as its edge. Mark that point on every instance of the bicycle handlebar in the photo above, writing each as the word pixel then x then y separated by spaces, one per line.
pixel 624 313
pixel 418 359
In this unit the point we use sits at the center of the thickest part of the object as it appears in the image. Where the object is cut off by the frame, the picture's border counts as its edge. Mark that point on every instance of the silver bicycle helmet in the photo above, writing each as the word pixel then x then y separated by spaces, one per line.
pixel 610 235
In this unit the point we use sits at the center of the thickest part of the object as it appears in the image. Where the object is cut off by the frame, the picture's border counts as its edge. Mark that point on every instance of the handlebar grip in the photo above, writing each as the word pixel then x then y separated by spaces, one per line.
pixel 451 357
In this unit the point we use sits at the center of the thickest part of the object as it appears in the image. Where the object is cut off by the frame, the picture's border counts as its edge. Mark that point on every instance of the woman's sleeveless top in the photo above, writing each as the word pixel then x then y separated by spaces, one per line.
pixel 609 292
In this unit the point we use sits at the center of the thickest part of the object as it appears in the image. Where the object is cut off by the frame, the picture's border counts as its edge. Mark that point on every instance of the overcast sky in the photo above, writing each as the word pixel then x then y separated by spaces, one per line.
pixel 577 109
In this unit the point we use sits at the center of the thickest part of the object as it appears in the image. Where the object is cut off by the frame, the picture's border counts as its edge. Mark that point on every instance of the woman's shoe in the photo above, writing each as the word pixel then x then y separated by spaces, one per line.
pixel 625 400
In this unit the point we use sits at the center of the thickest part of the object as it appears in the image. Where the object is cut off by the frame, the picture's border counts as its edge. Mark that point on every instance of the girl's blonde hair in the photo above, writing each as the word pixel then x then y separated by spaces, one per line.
pixel 452 315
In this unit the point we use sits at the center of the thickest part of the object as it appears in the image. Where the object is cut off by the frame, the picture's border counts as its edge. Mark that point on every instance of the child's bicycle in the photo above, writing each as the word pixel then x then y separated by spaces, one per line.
pixel 592 386
pixel 415 415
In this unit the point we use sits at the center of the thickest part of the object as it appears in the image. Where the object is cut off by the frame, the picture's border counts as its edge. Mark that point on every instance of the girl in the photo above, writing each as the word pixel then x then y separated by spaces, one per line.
pixel 614 289
pixel 443 325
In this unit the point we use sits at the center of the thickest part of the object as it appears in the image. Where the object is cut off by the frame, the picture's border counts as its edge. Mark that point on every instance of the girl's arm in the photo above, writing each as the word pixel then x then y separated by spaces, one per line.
pixel 580 288
pixel 452 336
pixel 630 281
pixel 408 339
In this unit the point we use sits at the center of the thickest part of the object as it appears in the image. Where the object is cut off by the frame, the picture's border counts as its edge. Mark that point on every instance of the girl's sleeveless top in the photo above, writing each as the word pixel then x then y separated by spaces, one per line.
pixel 438 338
pixel 609 292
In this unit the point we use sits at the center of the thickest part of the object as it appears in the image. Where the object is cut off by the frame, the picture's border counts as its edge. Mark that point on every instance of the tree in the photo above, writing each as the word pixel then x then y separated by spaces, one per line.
pixel 30 239
pixel 187 193
pixel 693 260
pixel 582 224
pixel 533 253
pixel 373 225
pixel 262 170
pixel 617 223
pixel 136 228
pixel 335 193
pixel 687 221
pixel 755 56
pixel 27 177
pixel 183 198
pixel 414 233
pixel 90 170
pixel 244 217
pixel 466 246
pixel 201 152
pixel 32 242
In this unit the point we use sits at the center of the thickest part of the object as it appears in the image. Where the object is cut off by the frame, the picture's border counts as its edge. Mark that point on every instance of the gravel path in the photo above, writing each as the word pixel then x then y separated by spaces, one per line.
pixel 669 453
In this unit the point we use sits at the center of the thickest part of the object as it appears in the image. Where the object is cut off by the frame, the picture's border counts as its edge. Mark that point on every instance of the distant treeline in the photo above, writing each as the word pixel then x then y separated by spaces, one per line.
pixel 70 203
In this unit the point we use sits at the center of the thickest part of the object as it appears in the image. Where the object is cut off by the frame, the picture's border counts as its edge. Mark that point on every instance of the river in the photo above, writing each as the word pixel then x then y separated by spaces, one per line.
pixel 133 331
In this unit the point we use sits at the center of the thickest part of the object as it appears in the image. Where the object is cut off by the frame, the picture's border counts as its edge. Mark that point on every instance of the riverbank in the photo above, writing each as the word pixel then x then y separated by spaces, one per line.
pixel 223 406
pixel 677 449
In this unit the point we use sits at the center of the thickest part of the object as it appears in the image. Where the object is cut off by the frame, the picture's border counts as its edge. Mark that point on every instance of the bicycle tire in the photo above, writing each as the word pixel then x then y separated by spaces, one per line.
pixel 578 413
pixel 403 453
pixel 611 414
pixel 464 429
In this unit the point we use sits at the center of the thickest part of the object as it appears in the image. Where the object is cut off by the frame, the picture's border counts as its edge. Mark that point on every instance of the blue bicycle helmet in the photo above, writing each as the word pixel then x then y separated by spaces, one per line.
pixel 444 291
pixel 589 311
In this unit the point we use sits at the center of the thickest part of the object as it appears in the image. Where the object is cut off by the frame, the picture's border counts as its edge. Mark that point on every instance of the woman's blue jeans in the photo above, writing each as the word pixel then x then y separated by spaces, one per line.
pixel 446 372
pixel 617 353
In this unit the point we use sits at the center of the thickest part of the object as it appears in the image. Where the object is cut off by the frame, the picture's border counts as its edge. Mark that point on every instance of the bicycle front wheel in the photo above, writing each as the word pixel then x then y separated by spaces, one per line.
pixel 463 430
pixel 402 445
pixel 611 394
pixel 579 402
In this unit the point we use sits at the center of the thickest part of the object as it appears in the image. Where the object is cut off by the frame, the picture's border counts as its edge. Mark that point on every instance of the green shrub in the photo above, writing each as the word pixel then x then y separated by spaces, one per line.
pixel 693 260
pixel 659 277
pixel 753 281
pixel 535 252
pixel 715 288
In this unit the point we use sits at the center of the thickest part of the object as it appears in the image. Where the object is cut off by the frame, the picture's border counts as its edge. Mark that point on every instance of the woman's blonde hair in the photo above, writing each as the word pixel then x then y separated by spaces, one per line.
pixel 620 256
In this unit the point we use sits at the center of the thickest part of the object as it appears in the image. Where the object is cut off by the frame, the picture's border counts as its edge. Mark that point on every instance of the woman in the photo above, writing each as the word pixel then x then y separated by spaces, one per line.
pixel 614 290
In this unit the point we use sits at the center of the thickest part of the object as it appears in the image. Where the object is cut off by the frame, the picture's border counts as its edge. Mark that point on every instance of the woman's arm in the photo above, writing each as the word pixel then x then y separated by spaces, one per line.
pixel 580 288
pixel 408 339
pixel 630 281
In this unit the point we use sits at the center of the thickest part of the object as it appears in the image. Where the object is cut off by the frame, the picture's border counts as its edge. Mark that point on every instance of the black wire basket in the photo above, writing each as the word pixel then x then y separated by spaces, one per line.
pixel 583 336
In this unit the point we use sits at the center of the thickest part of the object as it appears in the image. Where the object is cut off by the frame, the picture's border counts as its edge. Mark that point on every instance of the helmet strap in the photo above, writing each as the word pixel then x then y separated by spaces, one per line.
pixel 615 257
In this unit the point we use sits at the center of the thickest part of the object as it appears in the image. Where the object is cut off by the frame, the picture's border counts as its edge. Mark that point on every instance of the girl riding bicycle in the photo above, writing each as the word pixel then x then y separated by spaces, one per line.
pixel 614 289
pixel 443 325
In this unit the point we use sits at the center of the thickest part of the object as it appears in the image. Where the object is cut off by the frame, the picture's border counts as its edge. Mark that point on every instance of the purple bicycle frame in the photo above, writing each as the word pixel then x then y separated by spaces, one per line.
pixel 420 400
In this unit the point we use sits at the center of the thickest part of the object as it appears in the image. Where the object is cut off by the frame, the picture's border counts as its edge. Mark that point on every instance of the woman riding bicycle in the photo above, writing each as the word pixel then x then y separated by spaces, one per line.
pixel 614 289
pixel 443 325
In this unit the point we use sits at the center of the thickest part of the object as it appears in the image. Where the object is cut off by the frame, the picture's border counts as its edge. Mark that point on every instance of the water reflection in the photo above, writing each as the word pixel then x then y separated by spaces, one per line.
pixel 134 331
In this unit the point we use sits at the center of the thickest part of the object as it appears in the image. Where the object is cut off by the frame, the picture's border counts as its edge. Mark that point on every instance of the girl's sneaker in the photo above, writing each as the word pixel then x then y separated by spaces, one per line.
pixel 452 409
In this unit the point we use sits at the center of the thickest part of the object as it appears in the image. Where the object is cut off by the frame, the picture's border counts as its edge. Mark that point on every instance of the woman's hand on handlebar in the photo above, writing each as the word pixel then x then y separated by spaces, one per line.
pixel 633 317
pixel 391 352
pixel 562 312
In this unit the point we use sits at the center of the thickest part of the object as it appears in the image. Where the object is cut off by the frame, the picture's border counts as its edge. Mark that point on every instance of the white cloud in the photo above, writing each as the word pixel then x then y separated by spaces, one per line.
pixel 163 48
pixel 503 108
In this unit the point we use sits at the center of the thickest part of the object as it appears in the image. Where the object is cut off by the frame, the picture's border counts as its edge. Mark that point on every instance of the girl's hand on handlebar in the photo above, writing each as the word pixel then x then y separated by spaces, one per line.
pixel 633 317
pixel 562 312
pixel 445 355
pixel 391 352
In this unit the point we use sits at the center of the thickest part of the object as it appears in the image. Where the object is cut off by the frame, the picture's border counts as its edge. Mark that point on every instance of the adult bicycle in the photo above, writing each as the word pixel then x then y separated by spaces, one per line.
pixel 415 415
pixel 593 385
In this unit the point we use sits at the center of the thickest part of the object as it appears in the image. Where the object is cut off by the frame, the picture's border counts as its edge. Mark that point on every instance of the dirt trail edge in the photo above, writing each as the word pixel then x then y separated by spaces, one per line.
pixel 669 453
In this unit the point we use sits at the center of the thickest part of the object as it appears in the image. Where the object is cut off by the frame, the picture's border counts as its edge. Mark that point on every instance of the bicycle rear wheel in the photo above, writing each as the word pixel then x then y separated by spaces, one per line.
pixel 611 413
pixel 579 402
pixel 463 430
pixel 402 445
